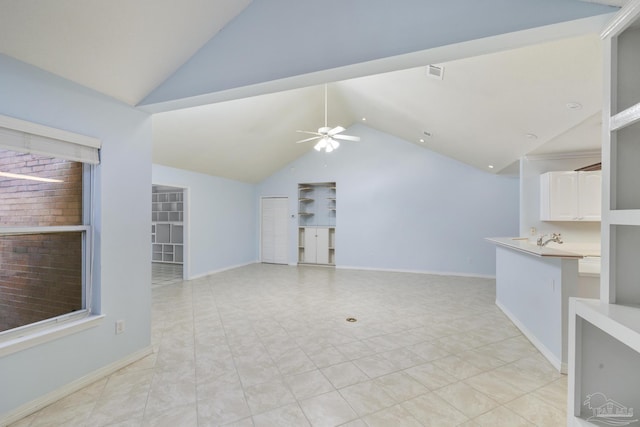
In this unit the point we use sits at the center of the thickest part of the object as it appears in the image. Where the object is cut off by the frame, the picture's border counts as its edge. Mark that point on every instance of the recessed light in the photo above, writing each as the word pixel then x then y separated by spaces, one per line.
pixel 531 136
pixel 364 119
pixel 421 139
pixel 574 105
pixel 490 166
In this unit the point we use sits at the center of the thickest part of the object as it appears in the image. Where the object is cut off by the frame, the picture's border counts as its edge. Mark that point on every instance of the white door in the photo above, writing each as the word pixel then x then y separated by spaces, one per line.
pixel 274 229
pixel 590 195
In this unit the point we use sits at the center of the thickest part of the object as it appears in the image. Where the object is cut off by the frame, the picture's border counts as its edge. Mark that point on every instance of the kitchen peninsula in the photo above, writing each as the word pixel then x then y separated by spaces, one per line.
pixel 533 286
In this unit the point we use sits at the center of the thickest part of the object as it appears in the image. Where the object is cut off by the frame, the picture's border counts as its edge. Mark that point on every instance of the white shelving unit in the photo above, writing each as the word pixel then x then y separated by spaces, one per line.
pixel 317 219
pixel 604 334
pixel 167 230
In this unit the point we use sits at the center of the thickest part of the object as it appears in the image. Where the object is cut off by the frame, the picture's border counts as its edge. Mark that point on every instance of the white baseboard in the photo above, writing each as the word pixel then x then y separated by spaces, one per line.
pixel 52 397
pixel 220 270
pixel 435 273
pixel 548 354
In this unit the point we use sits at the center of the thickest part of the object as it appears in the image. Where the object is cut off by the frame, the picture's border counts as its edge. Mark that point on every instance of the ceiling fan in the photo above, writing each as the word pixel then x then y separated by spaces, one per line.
pixel 327 136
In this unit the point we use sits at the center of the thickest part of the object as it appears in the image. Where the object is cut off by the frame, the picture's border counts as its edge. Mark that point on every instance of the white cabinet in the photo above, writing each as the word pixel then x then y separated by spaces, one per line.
pixel 604 334
pixel 570 196
pixel 316 245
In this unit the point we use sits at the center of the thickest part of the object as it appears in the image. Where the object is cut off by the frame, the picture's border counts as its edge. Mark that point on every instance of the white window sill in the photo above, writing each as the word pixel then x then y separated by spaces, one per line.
pixel 42 336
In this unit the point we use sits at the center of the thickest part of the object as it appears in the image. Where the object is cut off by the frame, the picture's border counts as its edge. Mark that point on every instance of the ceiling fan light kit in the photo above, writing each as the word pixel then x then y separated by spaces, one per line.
pixel 327 136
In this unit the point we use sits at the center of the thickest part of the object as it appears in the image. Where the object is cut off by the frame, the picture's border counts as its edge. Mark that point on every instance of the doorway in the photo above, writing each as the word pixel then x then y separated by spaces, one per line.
pixel 274 230
pixel 168 243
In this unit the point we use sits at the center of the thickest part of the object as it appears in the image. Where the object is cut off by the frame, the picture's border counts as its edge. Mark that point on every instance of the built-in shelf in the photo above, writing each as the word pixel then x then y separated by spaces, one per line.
pixel 625 118
pixel 620 321
pixel 167 230
pixel 316 220
pixel 624 217
pixel 604 334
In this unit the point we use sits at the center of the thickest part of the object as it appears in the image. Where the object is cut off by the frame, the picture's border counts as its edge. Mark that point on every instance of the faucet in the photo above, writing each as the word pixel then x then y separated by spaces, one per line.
pixel 555 237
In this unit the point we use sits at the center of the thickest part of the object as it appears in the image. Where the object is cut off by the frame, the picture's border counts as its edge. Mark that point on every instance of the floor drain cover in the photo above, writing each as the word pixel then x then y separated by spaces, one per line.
pixel 351 319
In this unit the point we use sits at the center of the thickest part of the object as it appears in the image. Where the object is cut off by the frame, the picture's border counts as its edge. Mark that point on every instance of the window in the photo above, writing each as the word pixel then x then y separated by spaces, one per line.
pixel 45 226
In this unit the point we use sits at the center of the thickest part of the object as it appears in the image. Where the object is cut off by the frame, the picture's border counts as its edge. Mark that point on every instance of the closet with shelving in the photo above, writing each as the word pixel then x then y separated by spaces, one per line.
pixel 167 224
pixel 604 334
pixel 316 223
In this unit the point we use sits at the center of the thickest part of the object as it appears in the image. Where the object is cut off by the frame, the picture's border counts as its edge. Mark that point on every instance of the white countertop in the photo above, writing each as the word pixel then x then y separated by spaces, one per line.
pixel 523 244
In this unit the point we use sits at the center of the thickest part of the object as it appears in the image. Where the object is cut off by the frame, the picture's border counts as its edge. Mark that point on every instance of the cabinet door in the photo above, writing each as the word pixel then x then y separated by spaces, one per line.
pixel 322 245
pixel 559 194
pixel 589 195
pixel 310 245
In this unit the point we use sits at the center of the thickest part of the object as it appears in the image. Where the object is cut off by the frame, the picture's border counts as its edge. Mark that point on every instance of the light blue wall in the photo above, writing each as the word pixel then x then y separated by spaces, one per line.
pixel 273 40
pixel 403 207
pixel 123 268
pixel 221 226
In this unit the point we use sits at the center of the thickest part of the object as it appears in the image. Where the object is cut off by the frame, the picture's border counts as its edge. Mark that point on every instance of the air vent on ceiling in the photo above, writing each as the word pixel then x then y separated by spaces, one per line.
pixel 435 72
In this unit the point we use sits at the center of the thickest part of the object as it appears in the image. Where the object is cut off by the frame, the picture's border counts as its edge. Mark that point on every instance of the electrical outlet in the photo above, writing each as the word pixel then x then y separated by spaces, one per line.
pixel 532 231
pixel 119 327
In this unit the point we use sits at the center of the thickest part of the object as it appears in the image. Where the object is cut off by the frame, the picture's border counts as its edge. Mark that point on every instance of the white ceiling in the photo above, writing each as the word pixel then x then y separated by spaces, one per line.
pixel 122 48
pixel 478 114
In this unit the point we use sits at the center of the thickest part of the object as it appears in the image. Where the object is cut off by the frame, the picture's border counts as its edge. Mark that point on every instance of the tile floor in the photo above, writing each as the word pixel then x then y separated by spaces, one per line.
pixel 165 274
pixel 268 345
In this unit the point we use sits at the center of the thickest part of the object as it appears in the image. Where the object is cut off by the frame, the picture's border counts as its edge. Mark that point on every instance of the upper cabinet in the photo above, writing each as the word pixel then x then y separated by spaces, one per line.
pixel 570 196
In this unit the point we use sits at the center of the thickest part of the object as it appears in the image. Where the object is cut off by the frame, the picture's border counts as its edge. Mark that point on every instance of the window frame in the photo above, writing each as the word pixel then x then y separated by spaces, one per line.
pixel 25 336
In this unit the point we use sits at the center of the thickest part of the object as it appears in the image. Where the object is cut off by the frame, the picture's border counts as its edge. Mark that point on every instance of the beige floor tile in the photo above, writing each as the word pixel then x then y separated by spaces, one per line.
pixel 286 416
pixel 266 396
pixel 457 367
pixel 538 412
pixel 466 399
pixel 395 416
pixel 432 411
pixel 250 340
pixel 554 393
pixel 327 410
pixel 502 417
pixel 401 386
pixel 344 374
pixel 431 376
pixel 496 385
pixel 367 397
pixel 308 384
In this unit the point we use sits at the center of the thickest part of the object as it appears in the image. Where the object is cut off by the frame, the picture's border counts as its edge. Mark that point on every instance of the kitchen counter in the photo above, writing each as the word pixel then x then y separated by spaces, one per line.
pixel 524 245
pixel 533 287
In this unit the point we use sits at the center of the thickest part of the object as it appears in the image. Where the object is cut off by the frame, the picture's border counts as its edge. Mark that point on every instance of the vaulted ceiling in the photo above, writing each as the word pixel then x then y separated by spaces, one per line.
pixel 230 81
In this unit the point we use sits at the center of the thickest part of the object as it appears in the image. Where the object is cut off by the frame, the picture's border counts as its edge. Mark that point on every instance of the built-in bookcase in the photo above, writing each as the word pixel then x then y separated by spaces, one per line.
pixel 167 225
pixel 317 223
pixel 604 334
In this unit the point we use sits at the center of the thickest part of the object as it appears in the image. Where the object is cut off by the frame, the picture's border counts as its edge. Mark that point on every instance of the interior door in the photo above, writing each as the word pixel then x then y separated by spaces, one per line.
pixel 274 230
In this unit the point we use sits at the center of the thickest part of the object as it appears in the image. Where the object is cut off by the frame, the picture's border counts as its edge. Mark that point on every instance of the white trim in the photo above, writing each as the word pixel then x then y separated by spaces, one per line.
pixel 562 156
pixel 49 334
pixel 44 229
pixel 48 132
pixel 52 397
pixel 548 354
pixel 220 270
pixel 435 273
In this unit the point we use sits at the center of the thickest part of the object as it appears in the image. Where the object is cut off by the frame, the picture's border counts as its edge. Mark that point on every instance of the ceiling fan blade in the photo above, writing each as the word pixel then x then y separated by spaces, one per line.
pixel 310 133
pixel 308 139
pixel 336 130
pixel 346 137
